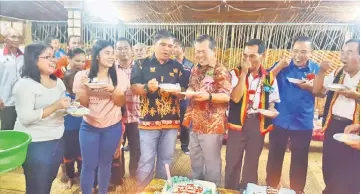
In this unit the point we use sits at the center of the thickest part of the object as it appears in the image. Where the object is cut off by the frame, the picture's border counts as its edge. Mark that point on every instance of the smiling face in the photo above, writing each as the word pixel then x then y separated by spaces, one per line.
pixel 106 57
pixel 301 53
pixel 163 48
pixel 203 53
pixel 46 63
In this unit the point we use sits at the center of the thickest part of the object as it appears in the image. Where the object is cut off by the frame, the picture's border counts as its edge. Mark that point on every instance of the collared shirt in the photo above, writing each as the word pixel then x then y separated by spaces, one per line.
pixel 132 101
pixel 158 110
pixel 207 117
pixel 10 67
pixel 297 105
pixel 59 53
pixel 344 107
pixel 255 86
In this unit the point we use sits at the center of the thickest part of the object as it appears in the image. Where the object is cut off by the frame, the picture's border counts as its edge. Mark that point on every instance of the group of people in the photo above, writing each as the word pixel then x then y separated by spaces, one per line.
pixel 246 102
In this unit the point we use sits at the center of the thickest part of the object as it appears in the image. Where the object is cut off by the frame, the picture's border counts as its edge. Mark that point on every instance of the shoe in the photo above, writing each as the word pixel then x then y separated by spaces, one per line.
pixel 186 151
pixel 126 148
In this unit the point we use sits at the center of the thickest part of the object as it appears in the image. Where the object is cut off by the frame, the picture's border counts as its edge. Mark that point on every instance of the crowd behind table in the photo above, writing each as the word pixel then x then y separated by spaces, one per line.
pixel 39 84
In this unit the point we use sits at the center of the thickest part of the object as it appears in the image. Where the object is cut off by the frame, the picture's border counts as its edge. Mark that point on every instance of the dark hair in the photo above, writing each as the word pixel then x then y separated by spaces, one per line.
pixel 163 34
pixel 70 37
pixel 123 39
pixel 302 39
pixel 355 41
pixel 205 37
pixel 74 52
pixel 49 39
pixel 180 43
pixel 98 46
pixel 258 42
pixel 31 58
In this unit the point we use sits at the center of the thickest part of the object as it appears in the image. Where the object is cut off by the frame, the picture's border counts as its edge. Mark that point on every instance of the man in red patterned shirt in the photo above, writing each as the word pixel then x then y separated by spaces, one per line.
pixel 123 51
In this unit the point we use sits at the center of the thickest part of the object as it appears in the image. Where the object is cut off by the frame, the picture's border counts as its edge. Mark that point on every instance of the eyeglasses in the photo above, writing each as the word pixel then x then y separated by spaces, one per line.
pixel 48 57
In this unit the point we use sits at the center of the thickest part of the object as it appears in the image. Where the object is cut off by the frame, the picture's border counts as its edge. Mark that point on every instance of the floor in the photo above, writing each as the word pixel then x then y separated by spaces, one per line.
pixel 13 182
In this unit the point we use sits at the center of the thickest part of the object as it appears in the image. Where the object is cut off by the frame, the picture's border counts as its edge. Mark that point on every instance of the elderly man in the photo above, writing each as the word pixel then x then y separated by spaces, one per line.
pixel 140 51
pixel 179 53
pixel 207 111
pixel 295 121
pixel 11 62
pixel 340 163
pixel 246 125
pixel 159 109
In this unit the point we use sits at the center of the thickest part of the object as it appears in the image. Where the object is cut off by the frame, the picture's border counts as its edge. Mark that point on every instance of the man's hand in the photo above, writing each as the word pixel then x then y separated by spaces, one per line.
pixel 245 67
pixel 201 97
pixel 153 85
pixel 325 66
pixel 273 110
pixel 307 85
pixel 352 129
pixel 117 153
pixel 354 144
pixel 348 93
pixel 284 62
pixel 2 105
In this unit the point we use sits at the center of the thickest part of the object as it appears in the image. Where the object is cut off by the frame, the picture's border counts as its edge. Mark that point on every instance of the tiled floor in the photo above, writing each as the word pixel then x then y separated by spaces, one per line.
pixel 13 182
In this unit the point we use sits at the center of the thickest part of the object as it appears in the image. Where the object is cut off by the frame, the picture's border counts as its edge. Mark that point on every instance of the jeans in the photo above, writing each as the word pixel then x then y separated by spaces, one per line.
pixel 42 164
pixel 132 133
pixel 158 144
pixel 184 131
pixel 97 147
pixel 8 117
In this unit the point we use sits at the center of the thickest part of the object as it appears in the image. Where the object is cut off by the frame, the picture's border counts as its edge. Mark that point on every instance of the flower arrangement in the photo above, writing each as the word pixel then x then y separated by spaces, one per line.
pixel 267 87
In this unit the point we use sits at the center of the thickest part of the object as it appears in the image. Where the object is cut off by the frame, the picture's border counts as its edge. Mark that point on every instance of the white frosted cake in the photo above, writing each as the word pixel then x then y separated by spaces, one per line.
pixel 183 185
pixel 253 188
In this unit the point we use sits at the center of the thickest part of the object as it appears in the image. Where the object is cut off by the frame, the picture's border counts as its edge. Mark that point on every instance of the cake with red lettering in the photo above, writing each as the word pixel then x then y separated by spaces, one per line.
pixel 183 185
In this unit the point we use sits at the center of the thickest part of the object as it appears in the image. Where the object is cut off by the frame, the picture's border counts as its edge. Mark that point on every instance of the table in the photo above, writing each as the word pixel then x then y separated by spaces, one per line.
pixel 156 185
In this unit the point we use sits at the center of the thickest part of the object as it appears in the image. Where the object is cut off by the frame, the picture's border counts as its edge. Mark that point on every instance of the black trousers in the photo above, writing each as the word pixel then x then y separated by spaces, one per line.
pixel 132 133
pixel 340 163
pixel 72 152
pixel 249 141
pixel 300 145
pixel 184 131
pixel 8 117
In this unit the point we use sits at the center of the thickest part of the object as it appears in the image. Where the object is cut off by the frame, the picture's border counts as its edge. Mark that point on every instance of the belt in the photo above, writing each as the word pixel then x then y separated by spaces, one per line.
pixel 340 118
pixel 252 115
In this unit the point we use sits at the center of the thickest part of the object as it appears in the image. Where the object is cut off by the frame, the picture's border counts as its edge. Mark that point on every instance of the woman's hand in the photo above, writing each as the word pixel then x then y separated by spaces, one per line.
pixel 109 88
pixel 63 103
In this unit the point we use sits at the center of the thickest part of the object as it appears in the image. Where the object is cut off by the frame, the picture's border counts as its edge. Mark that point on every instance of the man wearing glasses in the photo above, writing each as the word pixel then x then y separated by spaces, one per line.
pixel 295 121
pixel 11 62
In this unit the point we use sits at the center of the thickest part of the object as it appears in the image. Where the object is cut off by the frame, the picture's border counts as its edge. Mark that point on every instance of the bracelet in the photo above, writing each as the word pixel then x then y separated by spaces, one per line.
pixel 146 89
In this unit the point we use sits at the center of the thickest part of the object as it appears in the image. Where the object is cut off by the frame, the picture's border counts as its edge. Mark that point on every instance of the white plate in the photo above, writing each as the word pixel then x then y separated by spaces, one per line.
pixel 268 113
pixel 344 137
pixel 97 85
pixel 170 87
pixel 295 81
pixel 336 87
pixel 78 111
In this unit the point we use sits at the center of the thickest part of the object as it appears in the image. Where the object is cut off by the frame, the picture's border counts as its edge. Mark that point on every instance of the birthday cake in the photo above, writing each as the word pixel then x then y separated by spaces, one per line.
pixel 253 188
pixel 183 185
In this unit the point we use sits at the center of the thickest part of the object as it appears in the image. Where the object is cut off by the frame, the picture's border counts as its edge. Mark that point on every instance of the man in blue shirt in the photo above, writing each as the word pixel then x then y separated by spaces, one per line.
pixel 179 53
pixel 295 121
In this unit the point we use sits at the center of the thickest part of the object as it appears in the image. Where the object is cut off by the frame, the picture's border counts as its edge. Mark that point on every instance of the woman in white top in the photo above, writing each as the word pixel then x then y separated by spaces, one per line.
pixel 40 102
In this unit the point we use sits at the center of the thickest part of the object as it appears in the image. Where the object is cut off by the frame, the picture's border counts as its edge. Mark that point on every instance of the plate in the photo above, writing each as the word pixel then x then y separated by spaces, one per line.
pixel 336 87
pixel 170 87
pixel 295 81
pixel 344 137
pixel 97 85
pixel 190 94
pixel 268 113
pixel 78 111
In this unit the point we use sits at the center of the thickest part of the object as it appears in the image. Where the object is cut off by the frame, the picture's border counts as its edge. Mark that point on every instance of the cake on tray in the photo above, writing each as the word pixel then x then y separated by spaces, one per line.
pixel 184 185
pixel 253 188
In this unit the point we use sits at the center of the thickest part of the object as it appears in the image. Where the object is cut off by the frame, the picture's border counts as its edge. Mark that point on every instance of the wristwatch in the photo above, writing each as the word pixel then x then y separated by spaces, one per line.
pixel 146 89
pixel 210 97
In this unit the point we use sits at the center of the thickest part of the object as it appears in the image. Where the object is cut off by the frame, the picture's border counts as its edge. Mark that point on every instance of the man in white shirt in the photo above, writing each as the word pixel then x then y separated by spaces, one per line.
pixel 341 163
pixel 11 62
pixel 253 89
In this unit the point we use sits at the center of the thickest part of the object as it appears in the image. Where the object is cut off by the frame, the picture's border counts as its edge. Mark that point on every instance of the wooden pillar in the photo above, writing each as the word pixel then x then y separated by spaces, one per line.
pixel 27 33
pixel 75 17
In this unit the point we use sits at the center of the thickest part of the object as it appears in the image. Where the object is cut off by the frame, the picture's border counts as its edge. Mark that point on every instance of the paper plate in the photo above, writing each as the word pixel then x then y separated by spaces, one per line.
pixel 170 87
pixel 78 111
pixel 268 113
pixel 295 81
pixel 336 87
pixel 344 137
pixel 97 85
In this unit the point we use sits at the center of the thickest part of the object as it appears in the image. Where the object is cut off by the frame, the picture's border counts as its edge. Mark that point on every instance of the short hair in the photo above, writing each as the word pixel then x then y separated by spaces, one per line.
pixel 302 39
pixel 205 37
pixel 163 34
pixel 50 38
pixel 72 53
pixel 70 37
pixel 355 41
pixel 123 39
pixel 30 68
pixel 257 42
pixel 141 44
pixel 180 43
